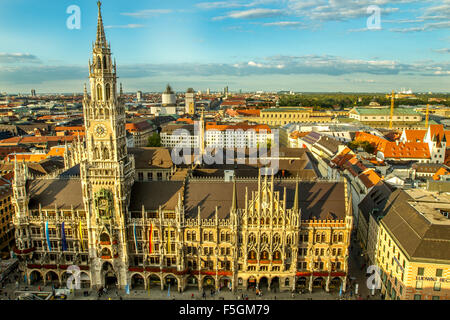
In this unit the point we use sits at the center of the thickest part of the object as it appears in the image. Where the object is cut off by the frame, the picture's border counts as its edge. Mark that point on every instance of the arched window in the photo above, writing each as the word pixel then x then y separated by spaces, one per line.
pixel 211 237
pixel 252 255
pixel 222 236
pixel 262 221
pixel 317 237
pixel 250 221
pixel 105 154
pixel 228 237
pixel 264 255
pixel 188 236
pixel 341 237
pixel 335 238
pixel 255 221
pixel 280 221
pixel 108 92
pixel 251 238
pixel 324 237
pixel 194 236
pixel 276 255
pixel 96 154
pixel 276 238
pixel 274 221
pixel 268 221
pixel 264 238
pixel 99 92
pixel 289 240
pixel 104 63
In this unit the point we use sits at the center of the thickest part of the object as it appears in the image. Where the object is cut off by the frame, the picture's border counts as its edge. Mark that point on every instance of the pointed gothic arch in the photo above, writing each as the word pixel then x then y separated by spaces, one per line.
pixel 108 92
pixel 96 154
pixel 99 92
pixel 264 255
pixel 105 153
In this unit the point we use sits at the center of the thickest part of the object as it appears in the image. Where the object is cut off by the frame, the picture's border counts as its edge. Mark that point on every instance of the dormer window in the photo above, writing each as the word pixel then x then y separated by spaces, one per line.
pixel 445 213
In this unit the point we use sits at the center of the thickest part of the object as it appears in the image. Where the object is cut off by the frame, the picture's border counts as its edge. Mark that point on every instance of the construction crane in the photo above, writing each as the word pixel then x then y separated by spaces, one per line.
pixel 392 109
pixel 427 116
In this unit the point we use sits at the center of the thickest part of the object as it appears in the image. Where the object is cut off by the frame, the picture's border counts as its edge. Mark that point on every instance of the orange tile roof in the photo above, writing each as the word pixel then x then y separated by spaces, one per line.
pixel 447 157
pixel 33 140
pixel 187 120
pixel 73 128
pixel 239 126
pixel 379 142
pixel 343 157
pixel 412 150
pixel 296 134
pixel 442 171
pixel 249 112
pixel 138 126
pixel 415 135
pixel 438 131
pixel 369 178
pixel 36 157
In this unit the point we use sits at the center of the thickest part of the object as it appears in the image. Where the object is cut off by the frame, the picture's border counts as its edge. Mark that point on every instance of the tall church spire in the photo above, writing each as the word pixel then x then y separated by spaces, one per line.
pixel 101 38
pixel 296 195
pixel 234 201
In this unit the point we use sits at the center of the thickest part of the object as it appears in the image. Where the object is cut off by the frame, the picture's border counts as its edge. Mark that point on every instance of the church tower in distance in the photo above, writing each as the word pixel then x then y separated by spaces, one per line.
pixel 107 171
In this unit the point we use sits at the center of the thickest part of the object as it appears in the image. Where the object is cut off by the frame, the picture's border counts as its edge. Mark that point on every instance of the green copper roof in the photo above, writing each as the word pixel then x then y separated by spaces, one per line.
pixel 385 111
pixel 285 109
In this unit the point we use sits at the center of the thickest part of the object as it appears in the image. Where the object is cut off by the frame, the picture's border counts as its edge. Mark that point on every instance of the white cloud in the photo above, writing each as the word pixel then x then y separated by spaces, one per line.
pixel 18 58
pixel 426 27
pixel 268 67
pixel 284 24
pixel 127 26
pixel 252 14
pixel 147 13
pixel 443 50
pixel 233 4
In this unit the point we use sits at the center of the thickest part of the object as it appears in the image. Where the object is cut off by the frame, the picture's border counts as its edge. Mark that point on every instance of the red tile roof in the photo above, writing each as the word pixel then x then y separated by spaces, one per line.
pixel 369 178
pixel 412 150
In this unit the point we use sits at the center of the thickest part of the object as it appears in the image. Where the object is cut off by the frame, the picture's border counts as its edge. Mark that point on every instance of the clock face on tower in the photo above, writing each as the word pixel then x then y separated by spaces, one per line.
pixel 100 131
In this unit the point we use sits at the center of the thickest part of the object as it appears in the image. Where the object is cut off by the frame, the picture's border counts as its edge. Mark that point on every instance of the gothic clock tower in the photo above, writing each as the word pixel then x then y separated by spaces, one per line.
pixel 107 171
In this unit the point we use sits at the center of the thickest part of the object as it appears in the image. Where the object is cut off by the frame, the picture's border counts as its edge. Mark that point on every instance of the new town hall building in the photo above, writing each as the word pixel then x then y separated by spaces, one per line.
pixel 198 232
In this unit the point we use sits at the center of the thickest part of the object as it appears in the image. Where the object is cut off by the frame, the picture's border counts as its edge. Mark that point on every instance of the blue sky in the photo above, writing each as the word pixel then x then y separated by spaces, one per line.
pixel 300 45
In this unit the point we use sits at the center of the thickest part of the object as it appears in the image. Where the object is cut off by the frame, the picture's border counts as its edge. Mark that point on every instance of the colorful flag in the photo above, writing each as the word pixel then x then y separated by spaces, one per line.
pixel 127 289
pixel 81 236
pixel 135 238
pixel 48 237
pixel 150 238
pixel 63 238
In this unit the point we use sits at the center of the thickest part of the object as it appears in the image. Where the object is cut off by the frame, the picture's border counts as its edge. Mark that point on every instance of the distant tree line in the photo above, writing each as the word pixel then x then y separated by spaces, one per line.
pixel 342 100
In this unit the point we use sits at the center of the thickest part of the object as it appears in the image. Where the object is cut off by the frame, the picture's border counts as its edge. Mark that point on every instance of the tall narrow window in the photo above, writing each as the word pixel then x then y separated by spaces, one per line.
pixel 99 92
pixel 108 92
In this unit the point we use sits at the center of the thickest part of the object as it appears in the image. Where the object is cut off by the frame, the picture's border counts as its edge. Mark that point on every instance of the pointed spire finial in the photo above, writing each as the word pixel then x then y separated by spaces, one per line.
pixel 234 203
pixel 296 195
pixel 101 38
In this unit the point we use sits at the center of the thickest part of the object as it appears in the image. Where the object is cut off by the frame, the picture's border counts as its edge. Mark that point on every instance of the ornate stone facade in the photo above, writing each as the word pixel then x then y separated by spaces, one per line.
pixel 285 234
